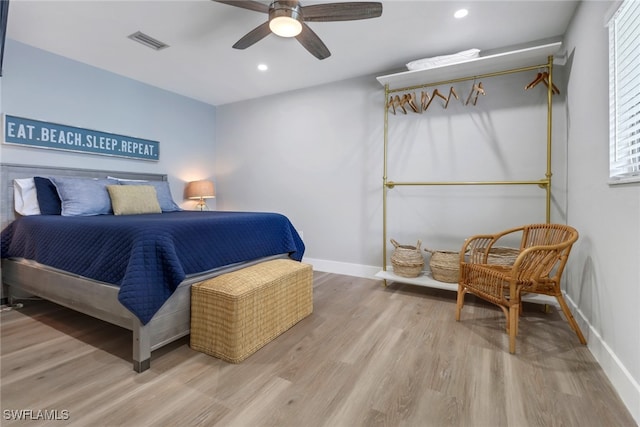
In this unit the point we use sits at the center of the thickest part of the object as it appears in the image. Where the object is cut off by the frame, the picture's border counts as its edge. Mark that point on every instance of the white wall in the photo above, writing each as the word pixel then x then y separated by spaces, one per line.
pixel 43 86
pixel 603 273
pixel 312 155
pixel 316 155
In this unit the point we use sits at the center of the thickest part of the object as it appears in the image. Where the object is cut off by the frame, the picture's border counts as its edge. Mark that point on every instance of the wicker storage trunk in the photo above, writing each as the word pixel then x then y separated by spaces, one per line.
pixel 235 314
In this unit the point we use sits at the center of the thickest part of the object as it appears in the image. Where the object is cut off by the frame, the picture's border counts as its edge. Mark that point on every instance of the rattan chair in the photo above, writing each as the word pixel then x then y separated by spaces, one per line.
pixel 543 253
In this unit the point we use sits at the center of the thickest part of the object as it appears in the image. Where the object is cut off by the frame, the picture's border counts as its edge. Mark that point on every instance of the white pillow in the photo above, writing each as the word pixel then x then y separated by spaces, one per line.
pixel 438 61
pixel 25 197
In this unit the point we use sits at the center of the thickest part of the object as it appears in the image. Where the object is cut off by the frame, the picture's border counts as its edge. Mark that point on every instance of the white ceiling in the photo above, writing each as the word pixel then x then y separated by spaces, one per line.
pixel 201 64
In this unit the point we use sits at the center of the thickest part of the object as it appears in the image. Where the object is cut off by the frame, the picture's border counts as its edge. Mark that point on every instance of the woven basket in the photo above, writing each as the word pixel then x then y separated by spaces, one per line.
pixel 503 256
pixel 407 260
pixel 445 265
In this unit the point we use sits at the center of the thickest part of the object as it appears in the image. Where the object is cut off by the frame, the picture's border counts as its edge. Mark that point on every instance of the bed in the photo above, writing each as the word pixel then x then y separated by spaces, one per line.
pixel 144 283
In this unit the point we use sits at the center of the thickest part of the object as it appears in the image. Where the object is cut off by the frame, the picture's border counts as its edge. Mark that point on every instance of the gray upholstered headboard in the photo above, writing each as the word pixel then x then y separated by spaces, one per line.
pixel 9 172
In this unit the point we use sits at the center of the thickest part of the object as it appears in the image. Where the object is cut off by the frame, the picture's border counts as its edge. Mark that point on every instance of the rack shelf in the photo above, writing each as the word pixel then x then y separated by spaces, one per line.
pixel 425 279
pixel 531 56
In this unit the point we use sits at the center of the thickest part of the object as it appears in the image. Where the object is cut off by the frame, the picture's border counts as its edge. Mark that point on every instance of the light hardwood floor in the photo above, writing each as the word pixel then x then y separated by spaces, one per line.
pixel 367 356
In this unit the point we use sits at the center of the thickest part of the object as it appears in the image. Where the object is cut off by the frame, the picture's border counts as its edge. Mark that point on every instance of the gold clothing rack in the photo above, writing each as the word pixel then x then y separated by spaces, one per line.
pixel 544 183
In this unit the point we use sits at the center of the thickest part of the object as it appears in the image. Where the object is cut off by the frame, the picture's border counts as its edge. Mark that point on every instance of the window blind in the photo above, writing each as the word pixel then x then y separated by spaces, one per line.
pixel 624 90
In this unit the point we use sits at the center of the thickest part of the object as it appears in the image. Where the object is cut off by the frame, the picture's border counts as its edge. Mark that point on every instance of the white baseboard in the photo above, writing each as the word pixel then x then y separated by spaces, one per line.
pixel 627 387
pixel 357 270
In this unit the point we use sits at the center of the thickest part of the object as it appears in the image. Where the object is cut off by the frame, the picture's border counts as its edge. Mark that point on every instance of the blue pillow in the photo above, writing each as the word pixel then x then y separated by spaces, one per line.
pixel 47 195
pixel 162 191
pixel 84 197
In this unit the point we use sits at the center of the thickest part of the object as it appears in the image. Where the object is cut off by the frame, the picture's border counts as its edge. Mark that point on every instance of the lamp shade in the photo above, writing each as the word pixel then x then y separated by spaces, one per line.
pixel 203 189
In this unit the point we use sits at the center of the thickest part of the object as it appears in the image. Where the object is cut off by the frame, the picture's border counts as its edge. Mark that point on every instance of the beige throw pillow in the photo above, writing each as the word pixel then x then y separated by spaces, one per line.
pixel 133 199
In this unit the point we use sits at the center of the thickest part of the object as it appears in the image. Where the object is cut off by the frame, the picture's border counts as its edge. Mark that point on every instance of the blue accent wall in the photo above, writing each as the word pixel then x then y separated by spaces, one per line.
pixel 43 86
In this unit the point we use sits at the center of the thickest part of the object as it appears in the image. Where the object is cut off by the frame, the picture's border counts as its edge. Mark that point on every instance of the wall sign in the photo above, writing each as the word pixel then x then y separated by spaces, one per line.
pixel 39 134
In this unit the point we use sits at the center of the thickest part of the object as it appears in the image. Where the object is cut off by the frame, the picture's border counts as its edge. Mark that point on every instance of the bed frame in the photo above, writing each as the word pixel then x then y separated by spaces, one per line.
pixel 24 278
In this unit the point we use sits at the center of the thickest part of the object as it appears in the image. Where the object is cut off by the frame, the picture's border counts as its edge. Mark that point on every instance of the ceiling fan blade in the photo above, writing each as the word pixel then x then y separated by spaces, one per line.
pixel 349 11
pixel 246 4
pixel 312 43
pixel 253 36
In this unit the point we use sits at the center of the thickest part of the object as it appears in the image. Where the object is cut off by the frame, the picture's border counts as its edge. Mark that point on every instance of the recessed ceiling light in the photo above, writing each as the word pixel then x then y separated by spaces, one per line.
pixel 461 13
pixel 263 67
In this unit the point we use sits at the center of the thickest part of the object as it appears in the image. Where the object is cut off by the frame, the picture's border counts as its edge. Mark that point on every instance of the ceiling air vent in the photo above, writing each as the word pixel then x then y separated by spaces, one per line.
pixel 148 41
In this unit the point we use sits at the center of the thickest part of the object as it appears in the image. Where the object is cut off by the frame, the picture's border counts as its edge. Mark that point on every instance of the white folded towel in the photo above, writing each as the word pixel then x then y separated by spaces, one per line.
pixel 438 61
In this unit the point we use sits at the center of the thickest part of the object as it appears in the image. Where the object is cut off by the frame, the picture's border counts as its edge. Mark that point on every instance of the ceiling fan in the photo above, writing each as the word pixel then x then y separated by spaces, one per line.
pixel 287 19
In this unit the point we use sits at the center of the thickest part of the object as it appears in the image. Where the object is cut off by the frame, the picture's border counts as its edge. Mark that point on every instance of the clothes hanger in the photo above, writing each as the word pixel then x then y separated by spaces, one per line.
pixel 400 103
pixel 425 100
pixel 391 105
pixel 473 89
pixel 533 83
pixel 431 98
pixel 544 78
pixel 435 93
pixel 452 91
pixel 479 91
pixel 476 89
pixel 554 88
pixel 412 102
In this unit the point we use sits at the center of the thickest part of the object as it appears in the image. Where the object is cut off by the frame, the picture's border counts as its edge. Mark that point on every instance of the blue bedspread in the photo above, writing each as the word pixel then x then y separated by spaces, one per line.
pixel 148 256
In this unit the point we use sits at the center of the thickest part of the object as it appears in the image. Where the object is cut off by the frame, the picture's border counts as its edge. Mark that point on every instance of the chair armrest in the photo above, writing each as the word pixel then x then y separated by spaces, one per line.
pixel 473 245
pixel 536 262
pixel 478 246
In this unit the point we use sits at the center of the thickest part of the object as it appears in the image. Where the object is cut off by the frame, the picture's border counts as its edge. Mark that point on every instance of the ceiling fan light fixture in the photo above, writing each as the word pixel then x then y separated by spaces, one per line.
pixel 285 19
pixel 285 26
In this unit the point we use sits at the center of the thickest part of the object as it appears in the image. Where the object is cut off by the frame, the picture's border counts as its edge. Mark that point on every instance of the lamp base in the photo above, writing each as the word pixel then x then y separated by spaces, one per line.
pixel 202 205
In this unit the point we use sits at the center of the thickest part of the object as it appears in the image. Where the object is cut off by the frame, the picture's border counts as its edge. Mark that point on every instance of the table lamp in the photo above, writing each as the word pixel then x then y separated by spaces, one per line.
pixel 201 190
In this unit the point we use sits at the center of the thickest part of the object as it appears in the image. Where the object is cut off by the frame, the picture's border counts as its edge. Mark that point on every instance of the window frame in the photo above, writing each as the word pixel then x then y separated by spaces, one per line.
pixel 629 115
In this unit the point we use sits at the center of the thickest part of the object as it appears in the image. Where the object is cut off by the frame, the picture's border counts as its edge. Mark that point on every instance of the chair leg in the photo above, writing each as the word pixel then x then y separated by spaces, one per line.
pixel 514 312
pixel 459 302
pixel 570 318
